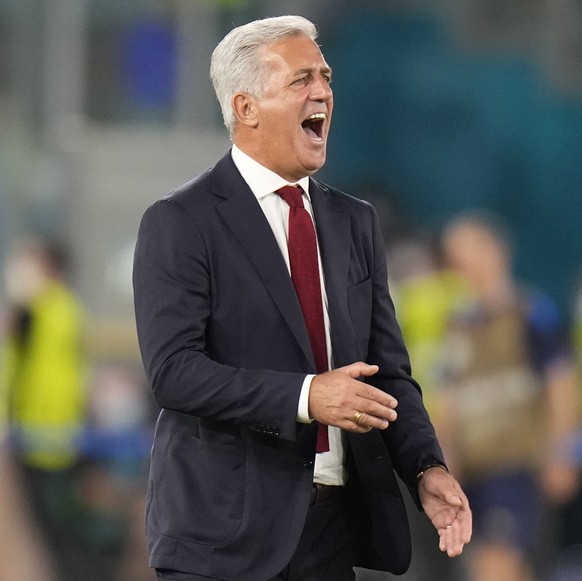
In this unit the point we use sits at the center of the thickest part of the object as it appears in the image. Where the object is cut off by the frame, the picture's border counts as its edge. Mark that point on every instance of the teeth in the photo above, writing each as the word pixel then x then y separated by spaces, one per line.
pixel 316 117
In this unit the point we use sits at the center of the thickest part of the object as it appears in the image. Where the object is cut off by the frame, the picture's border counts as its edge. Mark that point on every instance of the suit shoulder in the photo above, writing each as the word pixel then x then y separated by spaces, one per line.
pixel 352 201
pixel 196 200
pixel 182 204
pixel 196 195
pixel 192 191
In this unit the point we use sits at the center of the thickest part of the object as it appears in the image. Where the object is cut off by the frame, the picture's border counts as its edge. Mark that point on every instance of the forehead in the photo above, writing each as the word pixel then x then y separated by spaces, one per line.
pixel 473 238
pixel 292 54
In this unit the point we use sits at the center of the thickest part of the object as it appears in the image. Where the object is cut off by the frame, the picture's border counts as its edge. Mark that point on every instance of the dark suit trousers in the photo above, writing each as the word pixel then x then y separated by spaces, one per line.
pixel 324 552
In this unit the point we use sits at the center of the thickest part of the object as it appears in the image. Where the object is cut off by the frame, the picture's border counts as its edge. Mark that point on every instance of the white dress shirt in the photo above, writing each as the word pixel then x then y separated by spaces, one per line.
pixel 329 466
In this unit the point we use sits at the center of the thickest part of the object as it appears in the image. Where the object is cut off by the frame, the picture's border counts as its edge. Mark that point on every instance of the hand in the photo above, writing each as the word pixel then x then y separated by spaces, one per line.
pixel 336 396
pixel 447 507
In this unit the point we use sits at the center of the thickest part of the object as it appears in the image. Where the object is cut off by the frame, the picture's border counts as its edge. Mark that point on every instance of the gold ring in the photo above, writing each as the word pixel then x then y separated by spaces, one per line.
pixel 356 418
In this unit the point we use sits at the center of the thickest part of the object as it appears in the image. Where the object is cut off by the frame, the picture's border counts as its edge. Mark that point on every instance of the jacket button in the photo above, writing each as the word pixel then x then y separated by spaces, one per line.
pixel 308 465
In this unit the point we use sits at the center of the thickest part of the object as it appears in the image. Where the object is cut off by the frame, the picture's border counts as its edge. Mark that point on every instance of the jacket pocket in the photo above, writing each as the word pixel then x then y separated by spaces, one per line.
pixel 199 490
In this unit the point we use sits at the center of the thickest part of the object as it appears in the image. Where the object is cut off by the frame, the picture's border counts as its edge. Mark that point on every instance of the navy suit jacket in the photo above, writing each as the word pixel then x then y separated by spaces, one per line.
pixel 226 351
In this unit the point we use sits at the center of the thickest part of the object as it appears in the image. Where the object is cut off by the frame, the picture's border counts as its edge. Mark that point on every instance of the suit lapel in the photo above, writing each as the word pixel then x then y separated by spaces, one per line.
pixel 244 216
pixel 333 226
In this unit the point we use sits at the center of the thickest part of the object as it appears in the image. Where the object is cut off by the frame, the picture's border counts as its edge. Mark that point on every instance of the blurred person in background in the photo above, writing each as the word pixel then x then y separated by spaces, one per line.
pixel 568 561
pixel 112 481
pixel 23 551
pixel 510 400
pixel 425 295
pixel 42 389
pixel 242 487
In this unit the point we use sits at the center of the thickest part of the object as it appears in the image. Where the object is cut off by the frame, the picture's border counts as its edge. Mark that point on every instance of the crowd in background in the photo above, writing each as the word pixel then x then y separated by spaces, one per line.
pixel 499 366
pixel 497 360
pixel 74 438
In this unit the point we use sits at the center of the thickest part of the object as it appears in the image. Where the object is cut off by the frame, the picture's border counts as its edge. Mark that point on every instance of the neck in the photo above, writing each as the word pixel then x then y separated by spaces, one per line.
pixel 496 293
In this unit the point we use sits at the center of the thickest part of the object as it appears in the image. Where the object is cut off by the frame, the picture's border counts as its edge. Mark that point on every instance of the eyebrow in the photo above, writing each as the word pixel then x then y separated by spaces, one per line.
pixel 311 70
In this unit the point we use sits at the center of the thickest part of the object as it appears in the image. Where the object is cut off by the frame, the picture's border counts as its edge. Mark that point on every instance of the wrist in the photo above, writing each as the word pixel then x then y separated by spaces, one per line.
pixel 303 416
pixel 430 466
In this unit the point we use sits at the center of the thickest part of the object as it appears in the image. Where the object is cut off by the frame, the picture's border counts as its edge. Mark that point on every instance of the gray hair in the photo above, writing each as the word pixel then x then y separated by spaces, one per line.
pixel 236 64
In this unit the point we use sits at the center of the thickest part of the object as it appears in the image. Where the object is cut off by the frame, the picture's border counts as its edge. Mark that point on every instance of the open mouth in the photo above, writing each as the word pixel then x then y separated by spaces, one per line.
pixel 313 125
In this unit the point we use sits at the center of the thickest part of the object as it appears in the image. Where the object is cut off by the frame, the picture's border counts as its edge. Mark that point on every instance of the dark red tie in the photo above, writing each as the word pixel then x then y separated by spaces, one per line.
pixel 305 275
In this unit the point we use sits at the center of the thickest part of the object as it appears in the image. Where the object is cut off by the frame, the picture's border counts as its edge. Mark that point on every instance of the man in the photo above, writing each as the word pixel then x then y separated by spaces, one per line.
pixel 253 373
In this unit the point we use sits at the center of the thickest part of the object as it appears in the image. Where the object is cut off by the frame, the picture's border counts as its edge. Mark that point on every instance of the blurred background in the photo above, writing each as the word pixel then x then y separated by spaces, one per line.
pixel 440 108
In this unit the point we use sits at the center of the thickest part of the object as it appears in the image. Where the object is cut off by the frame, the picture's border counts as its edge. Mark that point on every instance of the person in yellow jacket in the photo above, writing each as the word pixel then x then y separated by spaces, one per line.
pixel 425 294
pixel 42 391
pixel 42 383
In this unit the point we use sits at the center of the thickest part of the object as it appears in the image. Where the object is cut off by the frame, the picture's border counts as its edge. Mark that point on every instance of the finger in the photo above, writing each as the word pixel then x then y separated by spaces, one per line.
pixel 368 421
pixel 359 429
pixel 451 540
pixel 465 520
pixel 448 516
pixel 374 414
pixel 380 420
pixel 359 369
pixel 457 533
pixel 373 394
pixel 376 410
pixel 447 489
pixel 453 500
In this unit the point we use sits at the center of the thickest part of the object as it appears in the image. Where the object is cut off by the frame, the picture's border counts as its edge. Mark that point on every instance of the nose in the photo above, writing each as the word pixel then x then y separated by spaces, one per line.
pixel 320 90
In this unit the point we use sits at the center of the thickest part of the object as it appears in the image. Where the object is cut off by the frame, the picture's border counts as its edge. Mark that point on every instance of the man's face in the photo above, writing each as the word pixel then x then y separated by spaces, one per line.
pixel 476 255
pixel 294 114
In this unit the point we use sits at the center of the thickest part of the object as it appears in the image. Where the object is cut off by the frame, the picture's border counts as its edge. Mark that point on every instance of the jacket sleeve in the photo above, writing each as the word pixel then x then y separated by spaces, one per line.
pixel 173 303
pixel 411 439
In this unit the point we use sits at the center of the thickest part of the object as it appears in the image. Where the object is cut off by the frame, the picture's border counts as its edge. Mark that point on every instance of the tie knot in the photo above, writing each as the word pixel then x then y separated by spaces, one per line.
pixel 293 195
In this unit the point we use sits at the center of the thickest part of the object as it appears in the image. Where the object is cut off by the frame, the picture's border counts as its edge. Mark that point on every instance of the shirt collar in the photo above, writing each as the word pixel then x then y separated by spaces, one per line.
pixel 260 179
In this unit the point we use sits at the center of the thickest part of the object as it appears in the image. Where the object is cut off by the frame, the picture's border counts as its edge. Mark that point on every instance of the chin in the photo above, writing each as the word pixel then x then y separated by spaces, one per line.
pixel 314 162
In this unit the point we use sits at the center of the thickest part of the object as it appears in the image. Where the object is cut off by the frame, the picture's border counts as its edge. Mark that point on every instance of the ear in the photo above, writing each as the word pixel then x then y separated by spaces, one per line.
pixel 245 110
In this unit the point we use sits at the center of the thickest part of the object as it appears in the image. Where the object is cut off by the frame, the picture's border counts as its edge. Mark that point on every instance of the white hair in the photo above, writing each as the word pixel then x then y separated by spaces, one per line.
pixel 236 66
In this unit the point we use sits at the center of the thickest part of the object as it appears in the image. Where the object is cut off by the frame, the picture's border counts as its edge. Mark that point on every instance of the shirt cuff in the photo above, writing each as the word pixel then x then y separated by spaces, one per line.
pixel 303 408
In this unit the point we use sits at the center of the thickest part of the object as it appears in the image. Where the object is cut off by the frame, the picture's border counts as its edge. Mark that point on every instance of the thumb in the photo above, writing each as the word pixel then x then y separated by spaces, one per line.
pixel 359 369
pixel 453 500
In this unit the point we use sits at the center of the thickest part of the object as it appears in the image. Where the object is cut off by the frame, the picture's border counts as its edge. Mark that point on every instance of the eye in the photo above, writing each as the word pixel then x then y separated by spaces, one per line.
pixel 300 82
